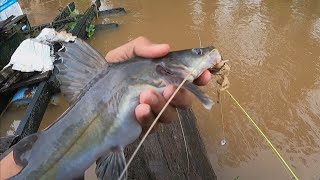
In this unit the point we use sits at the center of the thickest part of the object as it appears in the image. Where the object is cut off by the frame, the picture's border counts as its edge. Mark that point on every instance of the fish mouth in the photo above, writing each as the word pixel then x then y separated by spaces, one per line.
pixel 216 68
pixel 217 62
pixel 212 62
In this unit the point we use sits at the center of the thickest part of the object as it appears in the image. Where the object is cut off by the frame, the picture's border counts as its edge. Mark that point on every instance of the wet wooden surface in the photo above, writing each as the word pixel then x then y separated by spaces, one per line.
pixel 163 154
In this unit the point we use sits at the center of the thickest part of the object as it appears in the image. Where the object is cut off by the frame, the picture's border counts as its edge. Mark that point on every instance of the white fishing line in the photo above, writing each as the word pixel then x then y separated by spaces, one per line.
pixel 223 141
pixel 184 139
pixel 199 40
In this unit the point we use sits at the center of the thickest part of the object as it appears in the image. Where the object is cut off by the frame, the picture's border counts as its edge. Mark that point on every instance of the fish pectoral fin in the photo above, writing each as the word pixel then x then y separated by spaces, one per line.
pixel 199 94
pixel 111 165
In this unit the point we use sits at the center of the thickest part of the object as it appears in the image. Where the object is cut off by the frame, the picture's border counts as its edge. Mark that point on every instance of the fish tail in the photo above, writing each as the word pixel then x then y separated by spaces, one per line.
pixel 111 165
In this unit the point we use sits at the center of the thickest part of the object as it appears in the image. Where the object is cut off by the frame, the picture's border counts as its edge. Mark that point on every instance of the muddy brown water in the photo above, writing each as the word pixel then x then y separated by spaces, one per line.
pixel 274 52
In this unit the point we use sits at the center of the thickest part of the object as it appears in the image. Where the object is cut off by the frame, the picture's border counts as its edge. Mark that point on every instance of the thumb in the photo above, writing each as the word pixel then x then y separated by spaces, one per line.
pixel 140 46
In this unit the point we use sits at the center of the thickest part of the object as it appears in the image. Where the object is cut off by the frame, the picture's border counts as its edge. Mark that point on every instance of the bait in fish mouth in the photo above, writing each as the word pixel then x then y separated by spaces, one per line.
pixel 100 121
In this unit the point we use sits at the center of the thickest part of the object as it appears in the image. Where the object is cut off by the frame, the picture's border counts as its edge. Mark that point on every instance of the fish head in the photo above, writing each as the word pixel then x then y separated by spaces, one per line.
pixel 179 64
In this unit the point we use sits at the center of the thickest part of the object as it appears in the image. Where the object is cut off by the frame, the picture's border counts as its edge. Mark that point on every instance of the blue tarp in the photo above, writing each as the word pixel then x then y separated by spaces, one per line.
pixel 4 4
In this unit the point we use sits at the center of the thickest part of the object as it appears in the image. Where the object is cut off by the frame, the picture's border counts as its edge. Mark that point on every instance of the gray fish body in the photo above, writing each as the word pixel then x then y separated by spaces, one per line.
pixel 100 118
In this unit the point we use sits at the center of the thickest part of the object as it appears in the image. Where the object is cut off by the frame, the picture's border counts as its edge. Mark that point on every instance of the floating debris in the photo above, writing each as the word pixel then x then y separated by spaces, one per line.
pixel 49 35
pixel 24 96
pixel 32 56
pixel 223 72
pixel 35 54
pixel 223 142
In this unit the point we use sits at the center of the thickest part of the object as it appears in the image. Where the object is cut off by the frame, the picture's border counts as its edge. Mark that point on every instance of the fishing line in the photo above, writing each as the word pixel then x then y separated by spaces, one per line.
pixel 223 141
pixel 199 40
pixel 264 136
pixel 184 139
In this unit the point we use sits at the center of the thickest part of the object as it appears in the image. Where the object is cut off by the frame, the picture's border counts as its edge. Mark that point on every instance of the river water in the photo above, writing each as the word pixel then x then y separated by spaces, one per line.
pixel 274 52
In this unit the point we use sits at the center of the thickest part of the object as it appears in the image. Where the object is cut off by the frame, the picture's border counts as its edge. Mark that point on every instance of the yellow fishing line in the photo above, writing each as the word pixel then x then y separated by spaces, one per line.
pixel 264 136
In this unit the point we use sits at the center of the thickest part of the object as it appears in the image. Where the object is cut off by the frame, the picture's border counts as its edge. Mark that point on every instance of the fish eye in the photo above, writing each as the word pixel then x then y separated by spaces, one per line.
pixel 197 51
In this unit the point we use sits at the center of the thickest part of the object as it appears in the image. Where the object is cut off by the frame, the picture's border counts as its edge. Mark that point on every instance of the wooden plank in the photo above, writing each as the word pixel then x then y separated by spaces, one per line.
pixel 163 154
pixel 112 11
pixel 100 27
pixel 80 28
pixel 35 111
pixel 65 12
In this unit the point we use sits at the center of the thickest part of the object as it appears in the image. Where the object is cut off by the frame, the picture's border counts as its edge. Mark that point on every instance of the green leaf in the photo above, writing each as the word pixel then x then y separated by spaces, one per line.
pixel 90 30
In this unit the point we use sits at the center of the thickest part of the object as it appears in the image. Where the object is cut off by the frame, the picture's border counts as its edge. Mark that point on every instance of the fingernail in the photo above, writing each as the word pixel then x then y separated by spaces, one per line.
pixel 162 47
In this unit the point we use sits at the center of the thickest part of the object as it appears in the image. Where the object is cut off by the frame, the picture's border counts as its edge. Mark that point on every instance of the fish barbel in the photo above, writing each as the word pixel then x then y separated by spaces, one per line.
pixel 100 121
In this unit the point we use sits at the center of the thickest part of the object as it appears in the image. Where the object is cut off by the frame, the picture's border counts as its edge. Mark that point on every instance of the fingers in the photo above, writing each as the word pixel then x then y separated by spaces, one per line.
pixel 156 102
pixel 145 117
pixel 140 46
pixel 203 79
pixel 144 48
pixel 183 98
pixel 153 102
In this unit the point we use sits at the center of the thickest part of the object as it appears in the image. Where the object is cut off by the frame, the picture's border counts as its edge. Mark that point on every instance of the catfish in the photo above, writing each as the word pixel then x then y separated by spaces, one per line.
pixel 100 121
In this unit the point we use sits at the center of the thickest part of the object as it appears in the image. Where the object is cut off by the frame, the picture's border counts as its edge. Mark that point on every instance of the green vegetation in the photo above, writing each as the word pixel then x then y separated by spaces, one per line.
pixel 72 25
pixel 90 30
pixel 75 13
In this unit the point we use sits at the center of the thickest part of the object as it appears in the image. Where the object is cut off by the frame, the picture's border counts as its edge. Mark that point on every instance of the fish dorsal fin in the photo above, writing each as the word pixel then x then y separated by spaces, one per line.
pixel 199 94
pixel 80 63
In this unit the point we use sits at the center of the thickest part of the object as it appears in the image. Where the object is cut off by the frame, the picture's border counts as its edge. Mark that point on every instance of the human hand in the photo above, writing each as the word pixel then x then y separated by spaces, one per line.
pixel 152 102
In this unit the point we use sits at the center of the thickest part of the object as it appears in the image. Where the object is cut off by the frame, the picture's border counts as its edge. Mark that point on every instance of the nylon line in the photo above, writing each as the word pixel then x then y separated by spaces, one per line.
pixel 264 136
